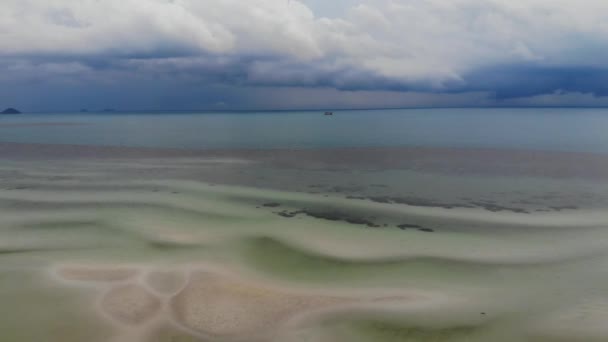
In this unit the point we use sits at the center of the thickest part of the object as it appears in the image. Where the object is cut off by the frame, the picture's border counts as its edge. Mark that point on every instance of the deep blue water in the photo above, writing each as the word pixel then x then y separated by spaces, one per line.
pixel 545 129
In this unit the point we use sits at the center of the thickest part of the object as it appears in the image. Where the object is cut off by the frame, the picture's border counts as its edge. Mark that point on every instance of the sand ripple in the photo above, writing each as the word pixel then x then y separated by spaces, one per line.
pixel 96 273
pixel 221 306
pixel 130 304
pixel 211 304
pixel 166 282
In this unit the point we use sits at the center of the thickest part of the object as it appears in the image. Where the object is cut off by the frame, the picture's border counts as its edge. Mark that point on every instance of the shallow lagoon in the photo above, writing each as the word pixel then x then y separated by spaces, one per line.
pixel 404 225
pixel 163 245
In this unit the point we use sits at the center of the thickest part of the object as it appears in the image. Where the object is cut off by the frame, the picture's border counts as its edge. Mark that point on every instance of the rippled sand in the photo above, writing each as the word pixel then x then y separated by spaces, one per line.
pixel 226 248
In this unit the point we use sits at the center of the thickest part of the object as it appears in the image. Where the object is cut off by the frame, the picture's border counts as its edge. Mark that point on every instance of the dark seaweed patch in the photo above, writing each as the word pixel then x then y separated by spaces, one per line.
pixel 289 214
pixel 421 202
pixel 330 216
pixel 491 206
pixel 564 207
pixel 337 216
pixel 417 202
pixel 353 188
pixel 407 225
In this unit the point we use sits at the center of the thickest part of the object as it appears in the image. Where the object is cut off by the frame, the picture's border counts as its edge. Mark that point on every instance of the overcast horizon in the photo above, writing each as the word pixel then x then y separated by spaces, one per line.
pixel 185 55
pixel 244 110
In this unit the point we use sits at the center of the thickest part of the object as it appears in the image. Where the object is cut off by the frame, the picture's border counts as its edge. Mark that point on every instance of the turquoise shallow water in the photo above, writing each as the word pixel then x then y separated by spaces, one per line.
pixel 544 129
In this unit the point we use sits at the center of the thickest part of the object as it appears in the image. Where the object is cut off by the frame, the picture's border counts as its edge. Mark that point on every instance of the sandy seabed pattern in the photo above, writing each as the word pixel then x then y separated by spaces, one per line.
pixel 117 251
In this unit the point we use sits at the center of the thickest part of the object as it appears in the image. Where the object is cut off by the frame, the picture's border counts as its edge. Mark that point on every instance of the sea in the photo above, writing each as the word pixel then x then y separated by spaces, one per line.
pixel 557 129
pixel 442 225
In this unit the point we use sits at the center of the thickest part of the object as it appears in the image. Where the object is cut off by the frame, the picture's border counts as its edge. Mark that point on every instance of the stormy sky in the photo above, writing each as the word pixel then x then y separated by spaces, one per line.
pixel 297 54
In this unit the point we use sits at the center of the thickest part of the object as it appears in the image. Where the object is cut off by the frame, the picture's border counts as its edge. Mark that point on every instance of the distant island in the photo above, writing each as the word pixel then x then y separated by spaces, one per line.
pixel 11 111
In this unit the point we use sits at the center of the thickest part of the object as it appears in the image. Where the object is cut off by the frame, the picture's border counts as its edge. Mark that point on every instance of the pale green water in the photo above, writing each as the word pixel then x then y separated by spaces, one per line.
pixel 480 276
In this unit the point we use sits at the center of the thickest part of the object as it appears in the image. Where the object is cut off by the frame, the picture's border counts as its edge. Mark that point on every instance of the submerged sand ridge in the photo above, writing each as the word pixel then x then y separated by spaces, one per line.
pixel 225 307
pixel 96 274
pixel 210 304
pixel 130 304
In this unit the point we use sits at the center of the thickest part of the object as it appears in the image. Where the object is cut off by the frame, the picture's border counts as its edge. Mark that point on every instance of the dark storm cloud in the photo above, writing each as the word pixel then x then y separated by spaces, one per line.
pixel 506 81
pixel 188 52
pixel 513 81
pixel 172 80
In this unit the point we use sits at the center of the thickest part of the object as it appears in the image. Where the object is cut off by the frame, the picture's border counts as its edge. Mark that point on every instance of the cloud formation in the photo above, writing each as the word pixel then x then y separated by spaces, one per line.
pixel 504 48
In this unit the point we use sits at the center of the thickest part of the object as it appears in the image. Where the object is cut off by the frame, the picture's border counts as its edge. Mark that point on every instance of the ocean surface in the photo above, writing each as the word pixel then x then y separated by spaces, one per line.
pixel 427 225
pixel 582 130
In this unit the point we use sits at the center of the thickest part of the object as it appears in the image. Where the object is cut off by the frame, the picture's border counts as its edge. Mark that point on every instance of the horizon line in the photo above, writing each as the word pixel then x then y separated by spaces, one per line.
pixel 110 111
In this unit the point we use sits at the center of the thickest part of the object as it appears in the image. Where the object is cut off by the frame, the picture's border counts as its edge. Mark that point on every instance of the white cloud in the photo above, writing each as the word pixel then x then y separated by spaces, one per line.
pixel 434 42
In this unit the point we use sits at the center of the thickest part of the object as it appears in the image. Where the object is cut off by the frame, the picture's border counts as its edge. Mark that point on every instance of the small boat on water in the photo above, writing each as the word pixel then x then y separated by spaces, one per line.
pixel 329 113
